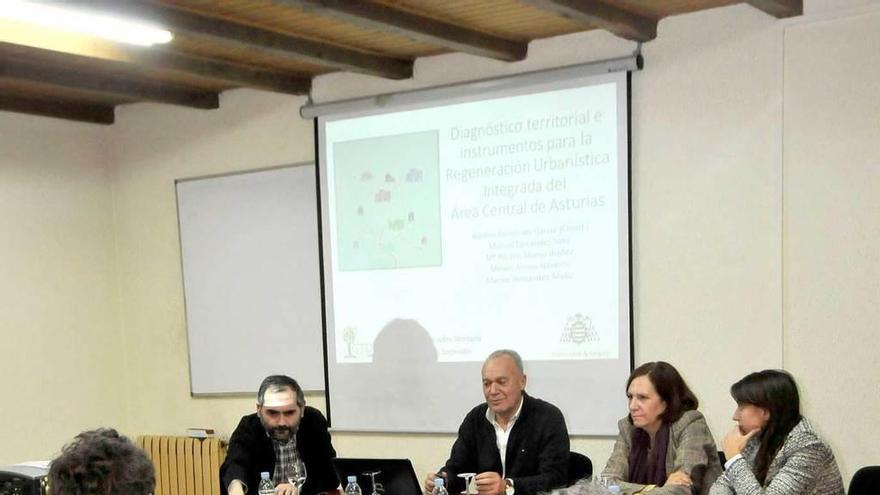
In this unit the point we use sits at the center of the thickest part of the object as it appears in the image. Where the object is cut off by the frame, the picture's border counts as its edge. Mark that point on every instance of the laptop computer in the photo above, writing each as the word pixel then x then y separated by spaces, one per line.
pixel 395 477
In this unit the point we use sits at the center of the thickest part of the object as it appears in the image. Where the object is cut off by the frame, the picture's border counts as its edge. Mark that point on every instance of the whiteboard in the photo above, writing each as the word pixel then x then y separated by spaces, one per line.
pixel 249 250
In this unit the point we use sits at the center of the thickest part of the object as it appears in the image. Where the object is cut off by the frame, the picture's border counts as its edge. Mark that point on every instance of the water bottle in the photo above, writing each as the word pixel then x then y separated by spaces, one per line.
pixel 352 487
pixel 266 487
pixel 439 487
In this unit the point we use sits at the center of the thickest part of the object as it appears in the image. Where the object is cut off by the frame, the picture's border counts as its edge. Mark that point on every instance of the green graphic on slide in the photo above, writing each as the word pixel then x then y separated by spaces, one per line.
pixel 388 202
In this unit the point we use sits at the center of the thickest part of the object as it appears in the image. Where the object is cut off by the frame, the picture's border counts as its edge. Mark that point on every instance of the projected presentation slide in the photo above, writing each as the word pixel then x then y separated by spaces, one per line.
pixel 493 223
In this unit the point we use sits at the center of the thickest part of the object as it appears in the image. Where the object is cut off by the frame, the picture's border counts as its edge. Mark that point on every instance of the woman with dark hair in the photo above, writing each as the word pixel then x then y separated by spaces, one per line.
pixel 772 448
pixel 664 445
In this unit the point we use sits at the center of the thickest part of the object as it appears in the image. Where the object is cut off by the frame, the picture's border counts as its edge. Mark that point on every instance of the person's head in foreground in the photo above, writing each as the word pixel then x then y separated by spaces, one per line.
pixel 101 462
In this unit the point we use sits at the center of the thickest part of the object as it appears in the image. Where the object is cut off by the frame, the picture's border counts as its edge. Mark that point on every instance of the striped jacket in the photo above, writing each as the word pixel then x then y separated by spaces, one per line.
pixel 804 465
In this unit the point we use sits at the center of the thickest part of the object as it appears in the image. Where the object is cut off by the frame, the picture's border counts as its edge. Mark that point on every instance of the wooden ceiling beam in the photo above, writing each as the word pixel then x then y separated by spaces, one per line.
pixel 108 85
pixel 779 8
pixel 380 17
pixel 281 82
pixel 95 114
pixel 267 42
pixel 126 58
pixel 603 15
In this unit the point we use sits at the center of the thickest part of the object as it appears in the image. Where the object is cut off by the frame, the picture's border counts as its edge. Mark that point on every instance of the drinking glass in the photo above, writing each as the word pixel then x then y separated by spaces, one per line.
pixel 298 474
pixel 467 481
pixel 377 487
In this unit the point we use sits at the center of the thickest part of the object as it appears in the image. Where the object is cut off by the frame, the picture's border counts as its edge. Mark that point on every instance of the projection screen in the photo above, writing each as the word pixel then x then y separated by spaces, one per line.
pixel 461 221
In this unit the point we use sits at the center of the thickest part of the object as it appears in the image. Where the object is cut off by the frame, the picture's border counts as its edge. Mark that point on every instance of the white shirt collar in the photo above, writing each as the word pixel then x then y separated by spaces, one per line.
pixel 490 415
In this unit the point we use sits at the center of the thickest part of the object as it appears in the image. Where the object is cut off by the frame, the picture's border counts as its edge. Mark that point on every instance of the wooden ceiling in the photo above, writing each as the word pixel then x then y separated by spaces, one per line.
pixel 280 45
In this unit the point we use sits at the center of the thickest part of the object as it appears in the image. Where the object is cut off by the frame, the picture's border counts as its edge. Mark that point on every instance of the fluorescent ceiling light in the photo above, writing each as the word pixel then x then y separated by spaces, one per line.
pixel 88 23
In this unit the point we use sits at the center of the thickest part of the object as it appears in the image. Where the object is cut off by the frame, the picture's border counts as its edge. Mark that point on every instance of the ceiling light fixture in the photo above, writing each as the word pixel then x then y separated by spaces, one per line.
pixel 82 22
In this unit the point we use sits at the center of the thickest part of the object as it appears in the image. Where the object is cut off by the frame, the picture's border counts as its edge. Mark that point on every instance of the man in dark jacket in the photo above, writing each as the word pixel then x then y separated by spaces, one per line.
pixel 514 443
pixel 282 430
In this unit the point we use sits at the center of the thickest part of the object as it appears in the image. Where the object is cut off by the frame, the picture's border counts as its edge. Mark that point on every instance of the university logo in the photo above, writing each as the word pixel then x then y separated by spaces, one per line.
pixel 578 330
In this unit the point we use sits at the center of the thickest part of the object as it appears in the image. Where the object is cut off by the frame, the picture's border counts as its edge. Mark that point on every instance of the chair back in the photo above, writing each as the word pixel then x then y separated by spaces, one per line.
pixel 579 467
pixel 866 481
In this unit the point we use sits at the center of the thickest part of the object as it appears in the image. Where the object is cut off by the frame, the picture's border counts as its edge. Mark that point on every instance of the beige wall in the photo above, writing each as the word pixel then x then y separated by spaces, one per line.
pixel 61 364
pixel 752 249
pixel 152 146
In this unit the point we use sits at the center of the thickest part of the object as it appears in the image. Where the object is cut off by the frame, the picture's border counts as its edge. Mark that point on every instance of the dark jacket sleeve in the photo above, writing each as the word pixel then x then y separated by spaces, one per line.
pixel 548 435
pixel 245 456
pixel 464 455
pixel 315 447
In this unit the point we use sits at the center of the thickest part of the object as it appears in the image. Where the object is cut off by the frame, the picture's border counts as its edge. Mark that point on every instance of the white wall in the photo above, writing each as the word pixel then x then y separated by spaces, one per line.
pixel 706 201
pixel 61 352
pixel 755 217
pixel 831 231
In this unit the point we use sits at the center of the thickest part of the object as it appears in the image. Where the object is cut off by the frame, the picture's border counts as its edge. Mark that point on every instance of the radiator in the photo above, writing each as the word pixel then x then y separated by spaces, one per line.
pixel 184 465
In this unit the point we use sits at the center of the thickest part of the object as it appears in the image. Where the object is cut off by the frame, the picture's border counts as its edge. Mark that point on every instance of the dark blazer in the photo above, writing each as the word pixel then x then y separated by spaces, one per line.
pixel 537 449
pixel 250 452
